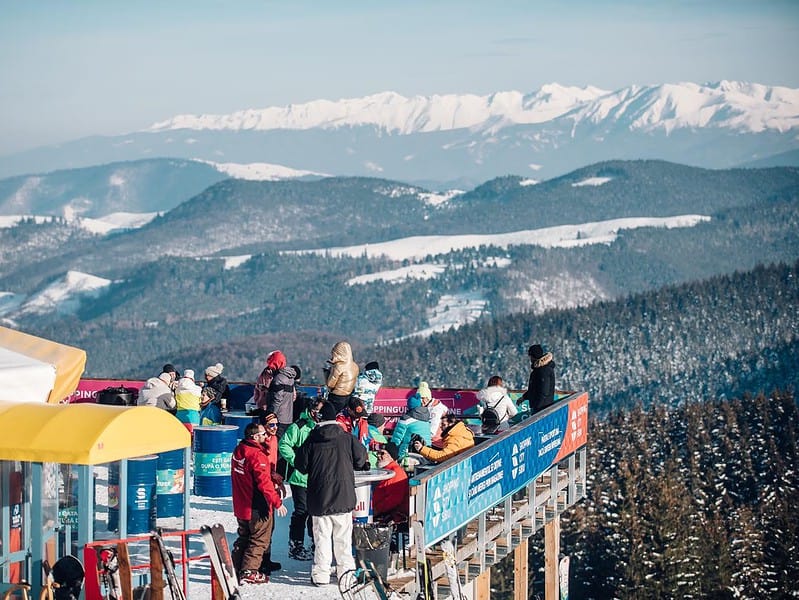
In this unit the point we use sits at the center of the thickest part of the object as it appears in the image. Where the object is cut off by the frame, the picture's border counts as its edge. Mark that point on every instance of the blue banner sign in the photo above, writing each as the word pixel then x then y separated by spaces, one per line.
pixel 456 495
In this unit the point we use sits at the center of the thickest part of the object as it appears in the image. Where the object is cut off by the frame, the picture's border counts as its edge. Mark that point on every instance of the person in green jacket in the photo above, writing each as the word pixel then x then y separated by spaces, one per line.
pixel 295 435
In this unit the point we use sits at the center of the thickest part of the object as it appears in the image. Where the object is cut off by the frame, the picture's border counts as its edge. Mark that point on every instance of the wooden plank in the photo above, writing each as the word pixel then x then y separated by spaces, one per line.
pixel 551 558
pixel 125 576
pixel 520 572
pixel 157 583
pixel 482 586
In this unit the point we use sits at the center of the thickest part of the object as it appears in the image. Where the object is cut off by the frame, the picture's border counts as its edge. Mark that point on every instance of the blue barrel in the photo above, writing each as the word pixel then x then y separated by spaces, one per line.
pixel 141 495
pixel 241 421
pixel 169 483
pixel 213 447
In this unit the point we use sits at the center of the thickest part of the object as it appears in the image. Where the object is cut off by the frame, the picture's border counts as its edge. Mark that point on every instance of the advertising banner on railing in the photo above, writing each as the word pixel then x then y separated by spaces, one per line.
pixel 458 494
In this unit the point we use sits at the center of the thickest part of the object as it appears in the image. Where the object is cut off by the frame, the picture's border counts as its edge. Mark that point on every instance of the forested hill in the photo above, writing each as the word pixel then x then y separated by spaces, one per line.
pixel 693 502
pixel 716 338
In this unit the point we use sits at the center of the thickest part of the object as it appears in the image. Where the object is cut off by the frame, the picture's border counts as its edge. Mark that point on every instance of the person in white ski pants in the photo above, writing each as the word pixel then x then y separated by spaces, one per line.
pixel 330 456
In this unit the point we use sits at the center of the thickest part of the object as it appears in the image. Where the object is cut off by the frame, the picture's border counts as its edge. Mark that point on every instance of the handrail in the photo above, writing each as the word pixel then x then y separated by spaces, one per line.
pixel 450 494
pixel 92 582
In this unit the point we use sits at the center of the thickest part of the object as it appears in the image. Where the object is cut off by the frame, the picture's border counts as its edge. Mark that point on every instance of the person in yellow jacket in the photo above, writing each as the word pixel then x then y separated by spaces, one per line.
pixel 455 438
pixel 187 397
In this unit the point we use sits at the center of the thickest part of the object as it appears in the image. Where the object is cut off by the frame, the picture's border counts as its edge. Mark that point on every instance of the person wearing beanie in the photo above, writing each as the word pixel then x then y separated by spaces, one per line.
pixel 368 383
pixel 434 406
pixel 157 391
pixel 341 375
pixel 275 361
pixel 541 385
pixel 170 368
pixel 301 521
pixel 415 421
pixel 187 398
pixel 391 497
pixel 353 420
pixel 210 413
pixel 215 379
pixel 329 457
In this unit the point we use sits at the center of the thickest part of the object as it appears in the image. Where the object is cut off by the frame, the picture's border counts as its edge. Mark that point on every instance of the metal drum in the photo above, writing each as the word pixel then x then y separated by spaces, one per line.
pixel 213 447
pixel 170 477
pixel 241 421
pixel 141 495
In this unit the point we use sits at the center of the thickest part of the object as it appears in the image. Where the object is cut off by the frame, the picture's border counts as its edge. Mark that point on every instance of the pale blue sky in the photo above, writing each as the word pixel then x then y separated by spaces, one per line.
pixel 73 69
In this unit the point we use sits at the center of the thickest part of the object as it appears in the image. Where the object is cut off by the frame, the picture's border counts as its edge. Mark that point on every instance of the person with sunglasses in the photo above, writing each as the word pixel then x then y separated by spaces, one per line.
pixel 255 500
pixel 269 441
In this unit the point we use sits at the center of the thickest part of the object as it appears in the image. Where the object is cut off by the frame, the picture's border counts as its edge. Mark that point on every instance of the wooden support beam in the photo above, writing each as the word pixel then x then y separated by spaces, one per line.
pixel 482 586
pixel 520 573
pixel 551 554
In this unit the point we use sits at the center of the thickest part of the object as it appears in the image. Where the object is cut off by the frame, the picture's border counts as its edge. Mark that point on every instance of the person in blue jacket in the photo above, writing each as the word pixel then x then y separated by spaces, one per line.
pixel 415 421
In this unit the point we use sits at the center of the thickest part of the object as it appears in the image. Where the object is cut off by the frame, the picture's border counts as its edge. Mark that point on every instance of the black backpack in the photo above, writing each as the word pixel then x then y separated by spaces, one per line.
pixel 490 420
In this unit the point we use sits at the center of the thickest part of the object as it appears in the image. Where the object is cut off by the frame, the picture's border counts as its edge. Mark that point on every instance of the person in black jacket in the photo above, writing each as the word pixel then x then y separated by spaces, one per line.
pixel 330 456
pixel 541 387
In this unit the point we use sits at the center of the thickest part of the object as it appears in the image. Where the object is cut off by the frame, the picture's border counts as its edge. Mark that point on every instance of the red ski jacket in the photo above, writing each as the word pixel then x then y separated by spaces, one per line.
pixel 252 481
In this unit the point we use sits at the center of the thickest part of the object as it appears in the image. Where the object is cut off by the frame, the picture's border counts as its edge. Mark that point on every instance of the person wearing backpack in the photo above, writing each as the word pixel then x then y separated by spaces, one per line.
pixel 495 406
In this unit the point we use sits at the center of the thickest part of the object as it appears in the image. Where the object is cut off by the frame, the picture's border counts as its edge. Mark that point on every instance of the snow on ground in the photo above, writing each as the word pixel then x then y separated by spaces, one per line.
pixel 562 236
pixel 592 181
pixel 438 199
pixel 258 171
pixel 114 221
pixel 526 182
pixel 103 225
pixel 562 291
pixel 7 221
pixel 452 311
pixel 420 271
pixel 64 294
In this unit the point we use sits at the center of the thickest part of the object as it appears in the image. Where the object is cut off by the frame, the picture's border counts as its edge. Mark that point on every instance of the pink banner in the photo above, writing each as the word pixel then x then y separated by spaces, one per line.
pixel 88 388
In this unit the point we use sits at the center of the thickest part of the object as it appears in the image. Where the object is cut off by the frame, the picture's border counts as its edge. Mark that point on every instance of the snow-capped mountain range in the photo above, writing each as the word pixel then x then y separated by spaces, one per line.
pixel 457 140
pixel 743 107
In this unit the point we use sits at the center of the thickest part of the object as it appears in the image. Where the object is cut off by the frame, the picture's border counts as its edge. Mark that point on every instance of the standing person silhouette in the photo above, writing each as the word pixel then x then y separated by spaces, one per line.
pixel 330 456
pixel 541 387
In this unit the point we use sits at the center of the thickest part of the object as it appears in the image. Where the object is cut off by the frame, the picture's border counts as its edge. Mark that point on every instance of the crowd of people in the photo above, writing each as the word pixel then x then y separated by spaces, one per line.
pixel 317 447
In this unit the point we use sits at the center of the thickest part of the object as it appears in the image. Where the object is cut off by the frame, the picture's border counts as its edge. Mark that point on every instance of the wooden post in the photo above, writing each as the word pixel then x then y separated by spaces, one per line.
pixel 482 585
pixel 157 583
pixel 551 554
pixel 520 574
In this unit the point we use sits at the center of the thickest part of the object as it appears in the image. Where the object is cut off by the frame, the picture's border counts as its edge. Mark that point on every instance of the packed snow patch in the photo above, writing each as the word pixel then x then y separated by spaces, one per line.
pixel 595 181
pixel 64 294
pixel 438 199
pixel 116 221
pixel 561 236
pixel 420 271
pixel 258 171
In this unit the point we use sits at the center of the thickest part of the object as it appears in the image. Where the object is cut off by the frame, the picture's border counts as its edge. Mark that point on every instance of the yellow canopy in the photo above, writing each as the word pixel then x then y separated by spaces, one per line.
pixel 86 434
pixel 33 369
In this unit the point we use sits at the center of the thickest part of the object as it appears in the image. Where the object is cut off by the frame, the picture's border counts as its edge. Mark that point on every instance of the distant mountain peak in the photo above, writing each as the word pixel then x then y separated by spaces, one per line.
pixel 736 105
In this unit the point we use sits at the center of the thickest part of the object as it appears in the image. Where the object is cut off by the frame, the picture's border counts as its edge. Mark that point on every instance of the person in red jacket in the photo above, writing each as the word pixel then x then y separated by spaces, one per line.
pixel 254 498
pixel 391 497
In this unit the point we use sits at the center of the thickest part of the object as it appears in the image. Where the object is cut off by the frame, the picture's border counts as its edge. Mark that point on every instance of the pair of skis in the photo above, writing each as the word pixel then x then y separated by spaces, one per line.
pixel 451 569
pixel 163 561
pixel 424 583
pixel 225 584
